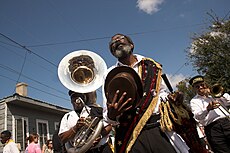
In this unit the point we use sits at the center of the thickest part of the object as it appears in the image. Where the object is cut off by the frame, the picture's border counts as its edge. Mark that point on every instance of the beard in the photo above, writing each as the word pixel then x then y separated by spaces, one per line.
pixel 122 51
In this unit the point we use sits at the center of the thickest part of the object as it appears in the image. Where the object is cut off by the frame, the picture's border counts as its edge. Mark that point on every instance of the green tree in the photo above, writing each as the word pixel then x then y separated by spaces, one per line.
pixel 184 87
pixel 210 53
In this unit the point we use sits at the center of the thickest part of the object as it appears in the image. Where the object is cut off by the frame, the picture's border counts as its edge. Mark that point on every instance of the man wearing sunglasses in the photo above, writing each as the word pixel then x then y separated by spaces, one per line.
pixel 211 113
pixel 137 126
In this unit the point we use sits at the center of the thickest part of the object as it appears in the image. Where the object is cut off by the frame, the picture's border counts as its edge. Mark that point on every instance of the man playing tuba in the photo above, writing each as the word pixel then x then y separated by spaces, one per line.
pixel 85 106
pixel 82 130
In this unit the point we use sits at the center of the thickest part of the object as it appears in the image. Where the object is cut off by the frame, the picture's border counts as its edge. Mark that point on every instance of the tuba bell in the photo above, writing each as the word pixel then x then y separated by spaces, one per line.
pixel 82 71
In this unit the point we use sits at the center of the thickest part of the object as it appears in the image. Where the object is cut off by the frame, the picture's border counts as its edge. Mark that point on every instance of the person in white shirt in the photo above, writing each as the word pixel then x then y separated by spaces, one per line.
pixel 136 119
pixel 211 113
pixel 10 145
pixel 84 105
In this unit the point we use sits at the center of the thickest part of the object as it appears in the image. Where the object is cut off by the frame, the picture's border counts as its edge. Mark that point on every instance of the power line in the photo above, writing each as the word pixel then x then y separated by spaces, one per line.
pixel 69 42
pixel 36 88
pixel 9 44
pixel 48 93
pixel 184 64
pixel 27 59
pixel 20 73
pixel 108 37
pixel 27 49
pixel 14 71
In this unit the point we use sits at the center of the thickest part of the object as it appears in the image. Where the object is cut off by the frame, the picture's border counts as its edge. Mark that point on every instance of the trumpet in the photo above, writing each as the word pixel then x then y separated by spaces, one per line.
pixel 217 91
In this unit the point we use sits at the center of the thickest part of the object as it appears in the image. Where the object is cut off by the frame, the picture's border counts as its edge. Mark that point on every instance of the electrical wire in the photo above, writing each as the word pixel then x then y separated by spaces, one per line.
pixel 36 88
pixel 27 49
pixel 14 71
pixel 31 61
pixel 23 64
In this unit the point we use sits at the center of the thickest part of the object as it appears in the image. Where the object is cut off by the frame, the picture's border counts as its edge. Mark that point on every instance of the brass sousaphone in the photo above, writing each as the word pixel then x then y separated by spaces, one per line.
pixel 82 71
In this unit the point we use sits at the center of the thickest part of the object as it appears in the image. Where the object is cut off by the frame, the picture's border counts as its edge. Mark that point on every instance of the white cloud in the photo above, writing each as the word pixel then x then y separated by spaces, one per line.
pixel 175 79
pixel 149 6
pixel 182 15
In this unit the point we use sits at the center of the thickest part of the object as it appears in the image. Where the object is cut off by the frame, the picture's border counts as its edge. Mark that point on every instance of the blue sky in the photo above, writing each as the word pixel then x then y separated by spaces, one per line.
pixel 50 29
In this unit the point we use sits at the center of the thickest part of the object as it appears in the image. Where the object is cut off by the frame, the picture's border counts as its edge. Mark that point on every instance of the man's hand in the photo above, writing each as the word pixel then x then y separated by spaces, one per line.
pixel 80 123
pixel 117 106
pixel 176 98
pixel 97 140
pixel 213 105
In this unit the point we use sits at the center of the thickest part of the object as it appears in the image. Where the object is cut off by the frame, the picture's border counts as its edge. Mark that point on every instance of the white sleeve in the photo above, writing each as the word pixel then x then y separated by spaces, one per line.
pixel 199 113
pixel 226 99
pixel 63 124
pixel 162 95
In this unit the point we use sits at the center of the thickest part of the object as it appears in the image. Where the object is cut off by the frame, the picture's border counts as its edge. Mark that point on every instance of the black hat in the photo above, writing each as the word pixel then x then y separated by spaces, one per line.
pixel 124 79
pixel 196 79
pixel 71 93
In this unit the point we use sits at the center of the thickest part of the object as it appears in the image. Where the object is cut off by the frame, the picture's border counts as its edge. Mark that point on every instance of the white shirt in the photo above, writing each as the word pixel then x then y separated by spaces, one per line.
pixel 11 147
pixel 199 108
pixel 70 119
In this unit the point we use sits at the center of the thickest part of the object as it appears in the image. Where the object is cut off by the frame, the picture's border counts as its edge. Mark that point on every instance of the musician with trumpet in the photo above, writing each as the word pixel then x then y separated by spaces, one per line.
pixel 211 113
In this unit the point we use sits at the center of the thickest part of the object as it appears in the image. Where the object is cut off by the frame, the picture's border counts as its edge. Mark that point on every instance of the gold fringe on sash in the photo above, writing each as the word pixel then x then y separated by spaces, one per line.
pixel 167 115
pixel 149 110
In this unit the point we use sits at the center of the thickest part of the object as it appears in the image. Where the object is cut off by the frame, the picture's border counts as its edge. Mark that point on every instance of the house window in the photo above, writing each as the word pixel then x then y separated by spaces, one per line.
pixel 20 131
pixel 56 125
pixel 43 131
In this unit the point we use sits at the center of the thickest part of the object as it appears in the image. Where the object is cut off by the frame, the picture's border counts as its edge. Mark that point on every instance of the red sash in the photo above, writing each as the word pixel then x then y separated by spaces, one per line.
pixel 133 121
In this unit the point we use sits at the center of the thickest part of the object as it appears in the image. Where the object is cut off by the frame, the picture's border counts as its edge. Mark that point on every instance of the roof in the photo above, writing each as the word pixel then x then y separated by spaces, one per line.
pixel 28 102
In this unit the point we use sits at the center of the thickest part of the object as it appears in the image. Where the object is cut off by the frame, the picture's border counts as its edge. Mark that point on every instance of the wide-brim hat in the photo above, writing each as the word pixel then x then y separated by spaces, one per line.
pixel 124 79
pixel 196 79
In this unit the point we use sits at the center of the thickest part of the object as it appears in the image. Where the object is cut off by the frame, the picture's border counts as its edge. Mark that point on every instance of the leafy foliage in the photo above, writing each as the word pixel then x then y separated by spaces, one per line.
pixel 187 90
pixel 210 53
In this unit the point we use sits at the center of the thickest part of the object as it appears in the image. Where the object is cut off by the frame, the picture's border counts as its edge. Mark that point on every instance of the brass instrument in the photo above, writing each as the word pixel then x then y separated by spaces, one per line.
pixel 82 71
pixel 217 91
pixel 84 138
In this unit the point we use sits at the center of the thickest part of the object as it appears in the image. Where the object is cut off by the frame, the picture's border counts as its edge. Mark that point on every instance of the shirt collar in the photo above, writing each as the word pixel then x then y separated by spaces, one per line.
pixel 85 111
pixel 199 96
pixel 139 58
pixel 10 140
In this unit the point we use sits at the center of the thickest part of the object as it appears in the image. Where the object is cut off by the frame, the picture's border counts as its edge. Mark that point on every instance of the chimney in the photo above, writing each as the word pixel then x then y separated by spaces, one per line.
pixel 21 89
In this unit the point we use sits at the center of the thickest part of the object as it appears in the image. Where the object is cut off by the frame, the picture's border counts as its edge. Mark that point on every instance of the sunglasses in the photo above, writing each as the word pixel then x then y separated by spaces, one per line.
pixel 199 85
pixel 116 40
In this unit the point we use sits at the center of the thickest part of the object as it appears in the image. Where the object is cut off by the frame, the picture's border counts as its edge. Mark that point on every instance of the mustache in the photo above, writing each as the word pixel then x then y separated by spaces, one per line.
pixel 117 44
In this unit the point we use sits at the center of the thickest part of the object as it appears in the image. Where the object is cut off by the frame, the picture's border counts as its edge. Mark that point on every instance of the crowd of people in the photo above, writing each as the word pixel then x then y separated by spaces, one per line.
pixel 148 120
pixel 33 146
